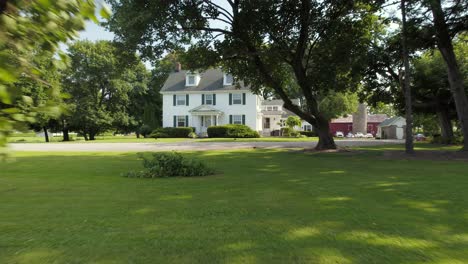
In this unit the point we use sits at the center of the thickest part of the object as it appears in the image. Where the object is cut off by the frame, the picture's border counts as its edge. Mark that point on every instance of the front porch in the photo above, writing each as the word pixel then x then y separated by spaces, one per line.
pixel 203 117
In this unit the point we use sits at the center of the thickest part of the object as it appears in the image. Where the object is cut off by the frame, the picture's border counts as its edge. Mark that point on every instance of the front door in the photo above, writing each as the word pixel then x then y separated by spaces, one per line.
pixel 206 122
pixel 266 123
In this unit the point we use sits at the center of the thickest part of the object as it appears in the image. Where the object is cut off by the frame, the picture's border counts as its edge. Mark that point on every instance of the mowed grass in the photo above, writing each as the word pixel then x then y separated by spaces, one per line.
pixel 134 139
pixel 265 206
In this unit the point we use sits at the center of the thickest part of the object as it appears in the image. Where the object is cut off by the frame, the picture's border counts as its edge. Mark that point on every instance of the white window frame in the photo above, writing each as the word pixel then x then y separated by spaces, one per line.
pixel 237 119
pixel 239 99
pixel 269 108
pixel 181 119
pixel 179 100
pixel 275 108
pixel 307 127
pixel 209 99
pixel 189 76
pixel 225 81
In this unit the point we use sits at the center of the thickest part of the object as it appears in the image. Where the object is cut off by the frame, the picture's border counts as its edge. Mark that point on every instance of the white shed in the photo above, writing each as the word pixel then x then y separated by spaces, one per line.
pixel 392 128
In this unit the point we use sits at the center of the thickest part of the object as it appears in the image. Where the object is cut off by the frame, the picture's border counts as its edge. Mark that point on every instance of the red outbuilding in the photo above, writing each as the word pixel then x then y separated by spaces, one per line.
pixel 345 124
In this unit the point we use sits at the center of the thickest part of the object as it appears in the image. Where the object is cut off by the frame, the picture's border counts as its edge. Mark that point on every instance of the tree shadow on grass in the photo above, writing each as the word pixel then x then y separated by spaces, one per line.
pixel 268 206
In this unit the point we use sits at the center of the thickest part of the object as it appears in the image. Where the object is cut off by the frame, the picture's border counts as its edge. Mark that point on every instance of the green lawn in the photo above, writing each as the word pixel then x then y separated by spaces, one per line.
pixel 266 206
pixel 133 139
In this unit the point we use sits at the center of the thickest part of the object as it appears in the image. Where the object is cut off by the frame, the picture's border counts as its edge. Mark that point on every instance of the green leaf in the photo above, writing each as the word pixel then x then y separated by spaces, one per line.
pixel 105 12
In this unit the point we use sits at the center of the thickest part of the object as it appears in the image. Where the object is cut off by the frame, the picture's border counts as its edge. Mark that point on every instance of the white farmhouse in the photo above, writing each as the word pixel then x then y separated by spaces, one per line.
pixel 212 97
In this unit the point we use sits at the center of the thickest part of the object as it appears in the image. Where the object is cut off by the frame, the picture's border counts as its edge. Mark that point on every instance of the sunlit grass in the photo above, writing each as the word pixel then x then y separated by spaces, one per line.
pixel 265 206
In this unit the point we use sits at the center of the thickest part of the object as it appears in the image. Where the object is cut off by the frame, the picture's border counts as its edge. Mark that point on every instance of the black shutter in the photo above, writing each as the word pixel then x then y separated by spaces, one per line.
pixel 202 99
pixel 243 98
pixel 243 119
pixel 186 121
pixel 230 99
pixel 186 99
pixel 214 99
pixel 174 99
pixel 230 119
pixel 175 121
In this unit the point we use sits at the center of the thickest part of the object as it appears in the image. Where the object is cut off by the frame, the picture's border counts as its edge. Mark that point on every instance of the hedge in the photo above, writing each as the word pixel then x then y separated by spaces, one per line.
pixel 308 133
pixel 172 132
pixel 232 131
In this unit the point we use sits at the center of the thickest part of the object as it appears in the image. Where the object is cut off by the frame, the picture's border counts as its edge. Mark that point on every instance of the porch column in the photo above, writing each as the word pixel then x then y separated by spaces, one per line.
pixel 217 120
pixel 212 120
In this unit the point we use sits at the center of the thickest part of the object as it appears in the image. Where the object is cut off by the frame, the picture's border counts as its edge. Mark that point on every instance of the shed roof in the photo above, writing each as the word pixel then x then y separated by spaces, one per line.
pixel 391 121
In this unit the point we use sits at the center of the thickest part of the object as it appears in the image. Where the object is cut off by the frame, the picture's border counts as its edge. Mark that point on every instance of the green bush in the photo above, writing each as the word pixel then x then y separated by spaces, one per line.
pixel 172 132
pixel 289 132
pixel 308 133
pixel 232 131
pixel 170 164
pixel 438 139
pixel 145 130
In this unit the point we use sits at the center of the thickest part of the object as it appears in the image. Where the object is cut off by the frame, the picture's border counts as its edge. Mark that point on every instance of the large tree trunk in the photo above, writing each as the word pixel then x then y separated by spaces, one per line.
pixel 326 140
pixel 409 145
pixel 85 135
pixel 46 134
pixel 446 126
pixel 444 43
pixel 65 131
pixel 92 136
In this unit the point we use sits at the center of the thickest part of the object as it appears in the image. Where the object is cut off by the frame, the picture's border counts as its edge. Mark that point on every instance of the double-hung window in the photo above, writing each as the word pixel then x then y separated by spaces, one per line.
pixel 237 119
pixel 236 98
pixel 209 99
pixel 181 121
pixel 180 99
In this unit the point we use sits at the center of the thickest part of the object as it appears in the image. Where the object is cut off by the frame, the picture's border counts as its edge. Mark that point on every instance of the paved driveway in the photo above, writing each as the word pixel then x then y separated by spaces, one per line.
pixel 135 147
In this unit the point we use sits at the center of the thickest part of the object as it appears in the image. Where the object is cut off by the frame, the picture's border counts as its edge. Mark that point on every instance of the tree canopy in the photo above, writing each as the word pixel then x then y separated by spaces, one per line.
pixel 26 26
pixel 319 44
pixel 100 78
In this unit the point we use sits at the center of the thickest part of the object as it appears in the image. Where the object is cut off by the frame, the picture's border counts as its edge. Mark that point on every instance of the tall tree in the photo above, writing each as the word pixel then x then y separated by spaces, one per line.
pixel 405 82
pixel 25 25
pixel 445 29
pixel 99 79
pixel 261 42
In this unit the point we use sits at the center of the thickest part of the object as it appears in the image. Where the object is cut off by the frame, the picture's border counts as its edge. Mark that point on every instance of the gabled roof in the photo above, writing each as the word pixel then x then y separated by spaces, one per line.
pixel 377 118
pixel 391 121
pixel 205 109
pixel 347 119
pixel 210 80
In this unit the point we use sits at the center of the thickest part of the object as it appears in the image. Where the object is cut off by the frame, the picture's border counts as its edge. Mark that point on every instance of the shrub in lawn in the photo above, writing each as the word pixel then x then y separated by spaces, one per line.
pixel 172 132
pixel 170 164
pixel 232 131
pixel 289 132
pixel 192 135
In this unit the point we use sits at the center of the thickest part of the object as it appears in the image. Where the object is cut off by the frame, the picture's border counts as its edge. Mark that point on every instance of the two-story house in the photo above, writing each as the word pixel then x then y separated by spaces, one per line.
pixel 212 97
pixel 208 98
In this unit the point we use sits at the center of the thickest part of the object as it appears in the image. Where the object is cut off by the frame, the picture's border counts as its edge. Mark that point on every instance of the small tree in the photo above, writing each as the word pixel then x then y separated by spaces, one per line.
pixel 293 121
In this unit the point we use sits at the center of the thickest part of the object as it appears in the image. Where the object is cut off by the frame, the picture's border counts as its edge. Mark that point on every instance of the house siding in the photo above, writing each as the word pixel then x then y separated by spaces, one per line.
pixel 249 109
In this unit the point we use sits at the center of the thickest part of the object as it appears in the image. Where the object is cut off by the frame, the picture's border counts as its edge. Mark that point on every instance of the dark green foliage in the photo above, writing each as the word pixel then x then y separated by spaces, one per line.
pixel 145 130
pixel 308 133
pixel 170 164
pixel 232 131
pixel 172 132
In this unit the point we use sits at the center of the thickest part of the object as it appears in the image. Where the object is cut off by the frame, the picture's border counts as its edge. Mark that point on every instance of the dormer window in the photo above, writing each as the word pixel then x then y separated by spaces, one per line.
pixel 228 79
pixel 192 79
